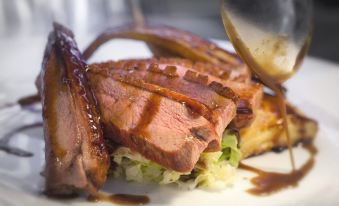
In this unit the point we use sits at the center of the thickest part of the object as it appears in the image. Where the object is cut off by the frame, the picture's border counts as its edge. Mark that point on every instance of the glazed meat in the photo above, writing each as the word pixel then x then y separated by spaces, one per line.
pixel 192 82
pixel 168 117
pixel 76 157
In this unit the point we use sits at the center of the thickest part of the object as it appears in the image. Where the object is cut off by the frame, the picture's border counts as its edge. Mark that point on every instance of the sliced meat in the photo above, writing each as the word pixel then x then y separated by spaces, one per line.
pixel 222 105
pixel 250 98
pixel 250 94
pixel 76 157
pixel 164 126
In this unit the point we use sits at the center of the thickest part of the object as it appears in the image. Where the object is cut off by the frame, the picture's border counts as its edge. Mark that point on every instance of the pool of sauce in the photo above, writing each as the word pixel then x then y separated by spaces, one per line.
pixel 29 100
pixel 23 102
pixel 266 183
pixel 120 199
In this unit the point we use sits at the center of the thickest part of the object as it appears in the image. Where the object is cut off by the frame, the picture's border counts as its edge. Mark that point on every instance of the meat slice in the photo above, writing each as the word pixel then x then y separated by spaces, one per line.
pixel 222 105
pixel 76 157
pixel 164 72
pixel 251 96
pixel 162 125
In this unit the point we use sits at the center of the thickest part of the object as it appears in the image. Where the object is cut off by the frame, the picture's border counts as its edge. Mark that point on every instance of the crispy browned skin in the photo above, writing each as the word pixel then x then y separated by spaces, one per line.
pixel 76 157
pixel 173 42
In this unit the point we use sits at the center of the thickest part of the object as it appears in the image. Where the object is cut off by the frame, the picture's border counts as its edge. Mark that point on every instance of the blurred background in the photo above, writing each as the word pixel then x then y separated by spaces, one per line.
pixel 29 18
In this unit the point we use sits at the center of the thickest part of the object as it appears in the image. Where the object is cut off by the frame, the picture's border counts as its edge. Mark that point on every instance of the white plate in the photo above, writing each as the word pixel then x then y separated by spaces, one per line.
pixel 313 90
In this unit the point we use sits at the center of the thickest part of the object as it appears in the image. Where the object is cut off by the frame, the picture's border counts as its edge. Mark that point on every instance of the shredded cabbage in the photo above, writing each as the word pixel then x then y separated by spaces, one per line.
pixel 134 167
pixel 229 148
pixel 218 169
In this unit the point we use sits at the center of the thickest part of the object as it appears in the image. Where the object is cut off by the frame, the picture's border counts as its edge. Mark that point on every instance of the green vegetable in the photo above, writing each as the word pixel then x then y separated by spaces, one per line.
pixel 219 170
pixel 134 167
pixel 229 148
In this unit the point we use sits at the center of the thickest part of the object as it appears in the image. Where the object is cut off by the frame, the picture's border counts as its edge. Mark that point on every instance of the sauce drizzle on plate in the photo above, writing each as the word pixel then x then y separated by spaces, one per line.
pixel 121 199
pixel 266 183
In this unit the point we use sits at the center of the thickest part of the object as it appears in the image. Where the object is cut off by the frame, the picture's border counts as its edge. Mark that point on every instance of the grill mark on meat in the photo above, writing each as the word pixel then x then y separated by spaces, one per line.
pixel 142 66
pixel 244 110
pixel 194 105
pixel 149 111
pixel 195 77
pixel 223 91
pixel 154 68
pixel 191 112
pixel 171 71
pixel 200 132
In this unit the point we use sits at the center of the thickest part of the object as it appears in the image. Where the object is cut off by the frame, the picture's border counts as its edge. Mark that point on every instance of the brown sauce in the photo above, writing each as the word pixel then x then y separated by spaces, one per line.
pixel 269 182
pixel 149 111
pixel 121 199
pixel 4 142
pixel 280 99
pixel 23 102
pixel 29 100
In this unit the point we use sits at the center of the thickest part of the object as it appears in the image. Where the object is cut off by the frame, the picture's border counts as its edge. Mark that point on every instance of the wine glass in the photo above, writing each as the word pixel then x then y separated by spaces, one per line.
pixel 272 37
